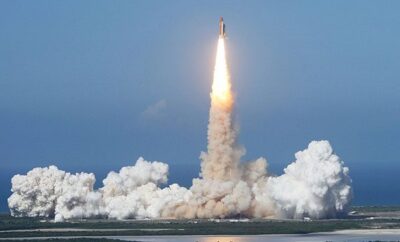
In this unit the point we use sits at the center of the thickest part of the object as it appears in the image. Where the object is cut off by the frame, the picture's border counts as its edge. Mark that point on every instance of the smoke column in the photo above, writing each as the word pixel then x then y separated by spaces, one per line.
pixel 222 159
pixel 316 184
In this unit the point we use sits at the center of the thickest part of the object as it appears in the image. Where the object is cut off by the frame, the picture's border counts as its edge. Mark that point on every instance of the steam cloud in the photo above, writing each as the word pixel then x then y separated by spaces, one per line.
pixel 315 185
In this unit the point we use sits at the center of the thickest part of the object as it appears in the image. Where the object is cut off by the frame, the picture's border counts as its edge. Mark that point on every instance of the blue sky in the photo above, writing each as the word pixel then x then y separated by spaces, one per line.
pixel 93 85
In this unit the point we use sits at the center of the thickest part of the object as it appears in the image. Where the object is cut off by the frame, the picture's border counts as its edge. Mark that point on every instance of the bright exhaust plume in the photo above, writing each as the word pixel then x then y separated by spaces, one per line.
pixel 221 87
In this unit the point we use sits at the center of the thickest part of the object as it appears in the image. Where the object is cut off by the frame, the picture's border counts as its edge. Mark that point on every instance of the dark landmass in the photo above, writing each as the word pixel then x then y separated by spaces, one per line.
pixel 70 240
pixel 358 218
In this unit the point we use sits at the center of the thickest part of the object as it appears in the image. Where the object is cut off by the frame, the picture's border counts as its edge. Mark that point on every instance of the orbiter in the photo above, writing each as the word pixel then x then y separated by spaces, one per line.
pixel 221 28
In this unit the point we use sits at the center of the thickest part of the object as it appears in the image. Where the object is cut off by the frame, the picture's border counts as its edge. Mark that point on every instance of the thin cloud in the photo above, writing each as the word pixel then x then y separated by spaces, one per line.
pixel 155 111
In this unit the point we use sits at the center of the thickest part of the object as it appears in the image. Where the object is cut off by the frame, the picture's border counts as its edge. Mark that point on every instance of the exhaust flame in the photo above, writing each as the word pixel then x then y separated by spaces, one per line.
pixel 221 87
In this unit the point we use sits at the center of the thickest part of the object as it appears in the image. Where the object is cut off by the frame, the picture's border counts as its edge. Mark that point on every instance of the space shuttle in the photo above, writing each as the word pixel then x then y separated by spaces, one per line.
pixel 221 28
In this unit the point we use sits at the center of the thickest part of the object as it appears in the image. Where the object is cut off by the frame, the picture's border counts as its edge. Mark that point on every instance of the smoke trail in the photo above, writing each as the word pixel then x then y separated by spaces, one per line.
pixel 222 158
pixel 316 185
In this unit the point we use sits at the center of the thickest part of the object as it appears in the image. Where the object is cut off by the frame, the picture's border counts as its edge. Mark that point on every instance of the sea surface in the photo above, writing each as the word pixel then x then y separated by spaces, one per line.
pixel 348 236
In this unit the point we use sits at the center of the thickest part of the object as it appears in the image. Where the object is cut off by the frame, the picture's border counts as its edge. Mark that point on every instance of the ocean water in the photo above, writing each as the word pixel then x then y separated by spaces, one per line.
pixel 342 236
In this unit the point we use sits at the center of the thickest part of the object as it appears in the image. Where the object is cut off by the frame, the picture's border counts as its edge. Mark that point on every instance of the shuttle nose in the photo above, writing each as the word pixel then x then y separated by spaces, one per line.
pixel 221 27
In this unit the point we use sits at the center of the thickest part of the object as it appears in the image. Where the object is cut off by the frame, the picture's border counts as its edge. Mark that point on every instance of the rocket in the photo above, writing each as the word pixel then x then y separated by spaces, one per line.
pixel 221 28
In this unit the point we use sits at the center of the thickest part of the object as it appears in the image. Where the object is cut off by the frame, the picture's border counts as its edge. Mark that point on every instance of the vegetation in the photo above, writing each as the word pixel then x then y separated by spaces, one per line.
pixel 34 227
pixel 71 240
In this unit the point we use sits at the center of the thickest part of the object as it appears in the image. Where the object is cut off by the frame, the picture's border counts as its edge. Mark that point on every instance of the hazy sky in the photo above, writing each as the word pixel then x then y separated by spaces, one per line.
pixel 93 85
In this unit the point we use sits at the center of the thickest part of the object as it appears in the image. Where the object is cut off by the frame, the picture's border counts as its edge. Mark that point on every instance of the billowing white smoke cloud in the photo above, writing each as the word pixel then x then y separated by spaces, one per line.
pixel 52 192
pixel 134 192
pixel 315 185
pixel 76 197
pixel 34 193
pixel 131 193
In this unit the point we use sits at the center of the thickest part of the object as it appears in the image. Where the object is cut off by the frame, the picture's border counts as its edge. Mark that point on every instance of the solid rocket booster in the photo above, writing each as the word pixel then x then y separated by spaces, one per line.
pixel 221 28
